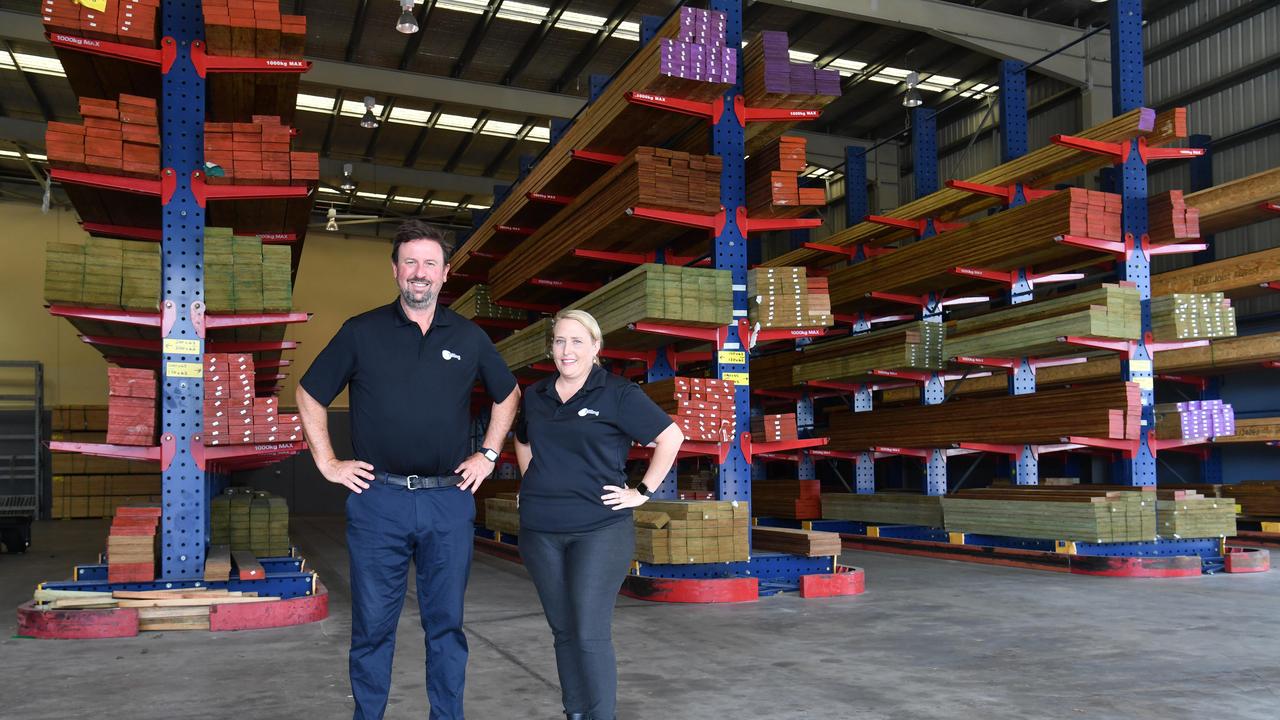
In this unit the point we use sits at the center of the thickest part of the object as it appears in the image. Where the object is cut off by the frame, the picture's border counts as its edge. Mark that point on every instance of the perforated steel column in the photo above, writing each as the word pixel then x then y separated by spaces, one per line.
pixel 182 115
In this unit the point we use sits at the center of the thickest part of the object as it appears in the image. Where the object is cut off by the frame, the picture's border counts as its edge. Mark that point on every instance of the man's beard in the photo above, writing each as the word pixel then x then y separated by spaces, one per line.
pixel 428 297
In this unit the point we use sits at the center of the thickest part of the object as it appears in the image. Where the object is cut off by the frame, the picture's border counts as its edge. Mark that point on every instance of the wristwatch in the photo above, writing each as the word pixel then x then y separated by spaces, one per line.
pixel 644 490
pixel 490 455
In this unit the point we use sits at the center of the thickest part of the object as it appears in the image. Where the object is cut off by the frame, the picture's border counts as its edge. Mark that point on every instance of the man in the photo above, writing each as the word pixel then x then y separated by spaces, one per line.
pixel 410 366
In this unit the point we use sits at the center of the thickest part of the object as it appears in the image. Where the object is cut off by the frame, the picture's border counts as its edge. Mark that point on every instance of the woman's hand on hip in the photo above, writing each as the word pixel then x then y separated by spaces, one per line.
pixel 620 498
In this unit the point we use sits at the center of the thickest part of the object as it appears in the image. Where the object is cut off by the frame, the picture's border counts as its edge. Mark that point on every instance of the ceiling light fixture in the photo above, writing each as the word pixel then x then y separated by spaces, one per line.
pixel 407 23
pixel 332 217
pixel 347 183
pixel 368 121
pixel 912 98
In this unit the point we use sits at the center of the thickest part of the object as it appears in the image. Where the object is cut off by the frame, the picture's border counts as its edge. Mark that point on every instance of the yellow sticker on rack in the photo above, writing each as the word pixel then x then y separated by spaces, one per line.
pixel 99 5
pixel 1140 366
pixel 737 378
pixel 184 370
pixel 1146 383
pixel 179 346
pixel 732 357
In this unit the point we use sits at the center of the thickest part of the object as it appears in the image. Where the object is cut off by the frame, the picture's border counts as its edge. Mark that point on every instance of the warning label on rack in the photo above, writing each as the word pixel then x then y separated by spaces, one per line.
pixel 183 370
pixel 179 346
pixel 737 378
pixel 731 357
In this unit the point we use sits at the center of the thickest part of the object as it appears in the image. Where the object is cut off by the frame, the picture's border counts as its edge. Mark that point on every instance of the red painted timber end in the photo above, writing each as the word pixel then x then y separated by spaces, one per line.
pixel 1247 560
pixel 852 581
pixel 282 613
pixel 691 590
pixel 1136 567
pixel 76 624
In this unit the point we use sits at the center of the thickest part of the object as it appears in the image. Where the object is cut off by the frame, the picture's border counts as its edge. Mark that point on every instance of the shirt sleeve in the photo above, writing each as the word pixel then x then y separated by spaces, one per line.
pixel 333 368
pixel 640 417
pixel 497 378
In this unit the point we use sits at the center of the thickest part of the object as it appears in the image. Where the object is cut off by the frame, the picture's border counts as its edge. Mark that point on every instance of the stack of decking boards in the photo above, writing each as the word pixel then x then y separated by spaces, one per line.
pixel 698 51
pixel 1170 218
pixel 774 427
pixel 237 28
pixel 502 513
pixel 132 544
pixel 1195 420
pixel 787 297
pixel 118 137
pixel 158 610
pixel 476 303
pixel 131 406
pixel 233 414
pixel 909 346
pixel 1040 168
pixel 256 153
pixel 252 520
pixel 131 22
pixel 773 180
pixel 526 346
pixel 702 407
pixel 691 296
pixel 613 125
pixel 1241 275
pixel 598 218
pixel 683 532
pixel 789 498
pixel 1189 316
pixel 807 543
pixel 1236 203
pixel 1254 429
pixel 772 79
pixel 1099 410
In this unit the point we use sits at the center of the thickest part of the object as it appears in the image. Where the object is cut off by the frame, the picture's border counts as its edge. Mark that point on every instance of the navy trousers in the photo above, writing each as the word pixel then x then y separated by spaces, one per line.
pixel 386 527
pixel 578 576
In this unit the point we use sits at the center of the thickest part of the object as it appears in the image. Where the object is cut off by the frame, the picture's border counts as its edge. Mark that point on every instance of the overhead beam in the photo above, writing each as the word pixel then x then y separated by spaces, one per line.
pixel 474 41
pixel 580 62
pixel 994 33
pixel 534 42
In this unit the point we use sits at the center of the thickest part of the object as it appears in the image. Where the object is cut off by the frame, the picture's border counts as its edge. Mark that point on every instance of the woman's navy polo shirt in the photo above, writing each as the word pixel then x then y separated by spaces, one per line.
pixel 579 447
pixel 410 391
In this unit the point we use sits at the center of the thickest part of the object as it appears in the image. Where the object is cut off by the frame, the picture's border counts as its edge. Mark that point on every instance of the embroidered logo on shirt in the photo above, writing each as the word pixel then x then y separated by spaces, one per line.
pixel 588 411
pixel 450 355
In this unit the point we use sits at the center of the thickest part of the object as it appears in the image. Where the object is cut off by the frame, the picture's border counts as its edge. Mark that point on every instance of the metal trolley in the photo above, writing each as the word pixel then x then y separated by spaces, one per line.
pixel 21 451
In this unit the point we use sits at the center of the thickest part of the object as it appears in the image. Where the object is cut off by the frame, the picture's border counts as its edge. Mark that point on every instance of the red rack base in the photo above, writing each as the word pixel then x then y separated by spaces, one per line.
pixel 691 590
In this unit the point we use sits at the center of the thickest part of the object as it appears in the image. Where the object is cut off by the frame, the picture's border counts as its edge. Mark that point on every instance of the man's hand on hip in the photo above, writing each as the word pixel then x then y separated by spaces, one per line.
pixel 350 473
pixel 473 470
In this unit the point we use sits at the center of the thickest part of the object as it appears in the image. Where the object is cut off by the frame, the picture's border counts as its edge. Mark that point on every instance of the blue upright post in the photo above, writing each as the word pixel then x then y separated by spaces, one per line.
pixel 596 86
pixel 558 128
pixel 649 26
pixel 1013 110
pixel 730 253
pixel 1128 93
pixel 182 116
pixel 856 203
pixel 660 369
pixel 924 150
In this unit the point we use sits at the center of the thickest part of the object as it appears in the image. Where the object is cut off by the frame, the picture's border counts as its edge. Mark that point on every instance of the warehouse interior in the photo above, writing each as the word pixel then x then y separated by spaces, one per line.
pixel 969 312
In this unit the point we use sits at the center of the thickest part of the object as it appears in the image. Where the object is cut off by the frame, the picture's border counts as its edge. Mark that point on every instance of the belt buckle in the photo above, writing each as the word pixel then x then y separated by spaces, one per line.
pixel 410 482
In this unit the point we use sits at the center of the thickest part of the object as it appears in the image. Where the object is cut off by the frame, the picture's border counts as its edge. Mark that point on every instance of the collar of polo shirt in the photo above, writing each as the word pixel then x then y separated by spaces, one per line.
pixel 442 317
pixel 595 379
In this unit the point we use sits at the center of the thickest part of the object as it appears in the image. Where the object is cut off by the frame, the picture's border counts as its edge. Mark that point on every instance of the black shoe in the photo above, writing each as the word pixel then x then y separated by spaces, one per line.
pixel 574 716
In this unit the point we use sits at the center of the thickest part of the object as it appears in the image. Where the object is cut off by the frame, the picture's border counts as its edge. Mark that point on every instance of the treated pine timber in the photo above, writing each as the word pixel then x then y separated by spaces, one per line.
pixel 1224 354
pixel 1032 329
pixel 806 543
pixel 476 303
pixel 1018 237
pixel 1236 203
pixel 502 514
pixel 598 218
pixel 1075 514
pixel 1191 316
pixel 526 346
pixel 694 297
pixel 1103 410
pixel 1040 168
pixel 911 346
pixel 887 508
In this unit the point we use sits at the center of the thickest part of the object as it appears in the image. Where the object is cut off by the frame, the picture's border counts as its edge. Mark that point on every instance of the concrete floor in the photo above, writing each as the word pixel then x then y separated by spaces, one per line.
pixel 930 639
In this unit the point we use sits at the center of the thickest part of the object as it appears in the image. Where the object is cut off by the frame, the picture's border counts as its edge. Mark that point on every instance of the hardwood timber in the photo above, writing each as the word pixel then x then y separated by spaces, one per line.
pixel 1236 203
pixel 1103 410
pixel 806 543
pixel 887 508
pixel 1247 272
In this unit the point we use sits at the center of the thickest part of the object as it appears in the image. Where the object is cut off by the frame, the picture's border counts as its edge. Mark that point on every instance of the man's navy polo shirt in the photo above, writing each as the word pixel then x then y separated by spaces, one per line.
pixel 410 392
pixel 579 447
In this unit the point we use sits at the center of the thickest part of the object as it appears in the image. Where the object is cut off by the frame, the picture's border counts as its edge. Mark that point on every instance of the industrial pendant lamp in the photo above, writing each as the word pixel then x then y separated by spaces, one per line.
pixel 332 217
pixel 912 98
pixel 368 121
pixel 407 23
pixel 347 183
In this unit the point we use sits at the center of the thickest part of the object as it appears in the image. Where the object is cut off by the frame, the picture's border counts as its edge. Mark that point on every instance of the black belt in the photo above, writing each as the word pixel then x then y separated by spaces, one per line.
pixel 418 482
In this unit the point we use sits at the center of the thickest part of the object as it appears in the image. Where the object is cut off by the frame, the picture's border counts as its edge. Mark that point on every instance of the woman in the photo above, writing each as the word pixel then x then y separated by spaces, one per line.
pixel 577 538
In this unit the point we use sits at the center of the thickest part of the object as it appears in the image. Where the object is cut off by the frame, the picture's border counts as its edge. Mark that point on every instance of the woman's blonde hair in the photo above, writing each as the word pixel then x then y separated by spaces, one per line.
pixel 583 318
